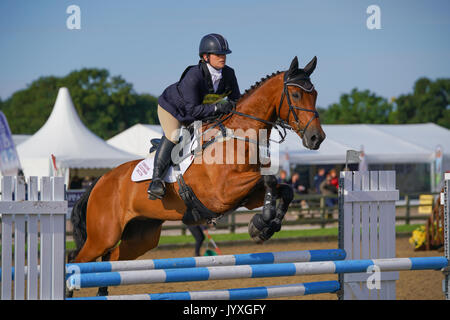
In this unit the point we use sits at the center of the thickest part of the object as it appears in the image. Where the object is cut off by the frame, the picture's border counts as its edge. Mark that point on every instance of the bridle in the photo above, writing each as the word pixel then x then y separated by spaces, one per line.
pixel 284 123
pixel 285 93
pixel 281 125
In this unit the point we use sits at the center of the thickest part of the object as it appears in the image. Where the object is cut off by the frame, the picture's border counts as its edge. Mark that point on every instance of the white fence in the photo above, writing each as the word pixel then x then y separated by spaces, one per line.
pixel 36 218
pixel 367 229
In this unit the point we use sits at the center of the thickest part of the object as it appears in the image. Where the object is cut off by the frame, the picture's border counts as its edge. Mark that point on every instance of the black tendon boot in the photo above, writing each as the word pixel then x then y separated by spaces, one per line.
pixel 157 188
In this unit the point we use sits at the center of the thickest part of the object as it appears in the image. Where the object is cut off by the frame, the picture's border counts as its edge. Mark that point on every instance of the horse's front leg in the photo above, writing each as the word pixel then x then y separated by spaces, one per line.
pixel 264 225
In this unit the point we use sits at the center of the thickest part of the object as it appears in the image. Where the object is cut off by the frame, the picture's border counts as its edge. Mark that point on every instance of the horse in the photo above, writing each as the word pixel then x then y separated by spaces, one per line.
pixel 115 220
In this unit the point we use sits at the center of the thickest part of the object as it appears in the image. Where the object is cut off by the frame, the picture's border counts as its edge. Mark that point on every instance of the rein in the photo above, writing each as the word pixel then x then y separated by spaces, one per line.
pixel 281 125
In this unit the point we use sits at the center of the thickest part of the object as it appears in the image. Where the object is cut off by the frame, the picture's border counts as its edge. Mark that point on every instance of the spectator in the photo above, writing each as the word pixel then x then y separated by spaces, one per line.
pixel 199 236
pixel 75 183
pixel 334 178
pixel 299 189
pixel 86 182
pixel 283 177
pixel 318 179
pixel 296 184
pixel 328 189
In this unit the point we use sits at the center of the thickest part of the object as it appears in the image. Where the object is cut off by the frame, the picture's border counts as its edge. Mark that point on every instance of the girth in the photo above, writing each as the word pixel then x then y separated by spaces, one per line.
pixel 196 212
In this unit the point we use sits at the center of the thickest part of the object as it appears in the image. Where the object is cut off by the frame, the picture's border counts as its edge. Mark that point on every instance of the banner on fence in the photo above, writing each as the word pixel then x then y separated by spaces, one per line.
pixel 9 160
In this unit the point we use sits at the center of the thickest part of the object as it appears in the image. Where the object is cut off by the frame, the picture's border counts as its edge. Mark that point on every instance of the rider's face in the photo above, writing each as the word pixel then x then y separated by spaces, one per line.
pixel 217 60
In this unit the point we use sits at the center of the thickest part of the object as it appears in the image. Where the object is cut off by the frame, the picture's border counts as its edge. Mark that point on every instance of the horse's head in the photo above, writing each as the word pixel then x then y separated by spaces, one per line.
pixel 298 104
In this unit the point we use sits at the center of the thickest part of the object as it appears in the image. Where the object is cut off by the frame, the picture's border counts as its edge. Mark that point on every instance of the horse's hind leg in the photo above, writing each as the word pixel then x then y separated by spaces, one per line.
pixel 140 235
pixel 103 291
pixel 93 249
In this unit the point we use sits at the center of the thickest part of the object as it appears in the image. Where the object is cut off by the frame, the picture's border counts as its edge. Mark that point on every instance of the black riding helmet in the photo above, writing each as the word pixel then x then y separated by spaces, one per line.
pixel 213 43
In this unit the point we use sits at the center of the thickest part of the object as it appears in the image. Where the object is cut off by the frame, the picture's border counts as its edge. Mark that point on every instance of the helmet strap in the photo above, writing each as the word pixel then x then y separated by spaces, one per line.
pixel 207 57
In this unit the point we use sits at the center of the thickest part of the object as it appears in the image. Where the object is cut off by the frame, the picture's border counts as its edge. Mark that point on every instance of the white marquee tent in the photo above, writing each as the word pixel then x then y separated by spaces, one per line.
pixel 382 144
pixel 136 139
pixel 68 139
pixel 405 143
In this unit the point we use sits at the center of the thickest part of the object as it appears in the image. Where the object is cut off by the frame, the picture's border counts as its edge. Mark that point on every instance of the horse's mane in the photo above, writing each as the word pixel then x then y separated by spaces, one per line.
pixel 257 84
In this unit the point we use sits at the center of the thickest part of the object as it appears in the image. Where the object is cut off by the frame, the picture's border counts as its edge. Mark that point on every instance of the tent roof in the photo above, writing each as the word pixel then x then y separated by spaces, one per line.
pixel 19 138
pixel 405 143
pixel 136 139
pixel 68 139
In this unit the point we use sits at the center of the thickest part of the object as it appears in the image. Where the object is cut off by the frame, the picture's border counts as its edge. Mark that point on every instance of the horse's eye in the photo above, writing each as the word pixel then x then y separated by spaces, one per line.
pixel 296 95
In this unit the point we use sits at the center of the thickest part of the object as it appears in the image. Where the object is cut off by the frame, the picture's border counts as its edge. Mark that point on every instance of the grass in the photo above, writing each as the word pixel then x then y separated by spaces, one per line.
pixel 283 234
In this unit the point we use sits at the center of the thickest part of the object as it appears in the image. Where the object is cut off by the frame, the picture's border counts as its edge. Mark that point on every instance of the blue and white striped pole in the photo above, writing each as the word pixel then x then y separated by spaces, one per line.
pixel 209 261
pixel 445 202
pixel 289 290
pixel 86 280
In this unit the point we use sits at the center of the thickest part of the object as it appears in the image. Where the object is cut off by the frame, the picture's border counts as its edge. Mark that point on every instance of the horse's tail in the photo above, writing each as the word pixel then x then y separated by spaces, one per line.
pixel 78 219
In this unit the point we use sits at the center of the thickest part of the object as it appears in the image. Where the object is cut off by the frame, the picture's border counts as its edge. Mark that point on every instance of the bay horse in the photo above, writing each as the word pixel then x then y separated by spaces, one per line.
pixel 115 220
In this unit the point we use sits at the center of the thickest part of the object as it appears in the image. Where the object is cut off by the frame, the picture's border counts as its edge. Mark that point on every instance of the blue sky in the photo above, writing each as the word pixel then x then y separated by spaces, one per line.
pixel 150 43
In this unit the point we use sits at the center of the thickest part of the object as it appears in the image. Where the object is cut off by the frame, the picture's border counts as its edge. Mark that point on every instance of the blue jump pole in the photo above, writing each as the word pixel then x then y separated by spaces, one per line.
pixel 209 261
pixel 290 290
pixel 86 280
pixel 192 262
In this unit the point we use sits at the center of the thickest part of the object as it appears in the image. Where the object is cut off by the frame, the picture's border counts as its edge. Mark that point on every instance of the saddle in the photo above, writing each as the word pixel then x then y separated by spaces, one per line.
pixel 196 212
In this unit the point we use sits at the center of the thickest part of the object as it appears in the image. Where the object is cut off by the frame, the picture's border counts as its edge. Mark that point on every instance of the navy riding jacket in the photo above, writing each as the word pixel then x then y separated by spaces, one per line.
pixel 193 97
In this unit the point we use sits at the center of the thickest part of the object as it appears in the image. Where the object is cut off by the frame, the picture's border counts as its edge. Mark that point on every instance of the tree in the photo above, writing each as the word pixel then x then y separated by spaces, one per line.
pixel 358 107
pixel 429 102
pixel 106 104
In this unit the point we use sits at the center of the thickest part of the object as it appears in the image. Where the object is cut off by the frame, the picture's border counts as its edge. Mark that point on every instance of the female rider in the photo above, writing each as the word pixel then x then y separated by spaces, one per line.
pixel 198 94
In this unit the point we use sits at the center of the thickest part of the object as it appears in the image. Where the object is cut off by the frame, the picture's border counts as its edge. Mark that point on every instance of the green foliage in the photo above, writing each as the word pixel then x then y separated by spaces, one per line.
pixel 106 104
pixel 429 102
pixel 358 107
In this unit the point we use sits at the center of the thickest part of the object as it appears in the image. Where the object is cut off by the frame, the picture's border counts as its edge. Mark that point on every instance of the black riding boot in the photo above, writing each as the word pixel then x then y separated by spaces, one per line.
pixel 157 188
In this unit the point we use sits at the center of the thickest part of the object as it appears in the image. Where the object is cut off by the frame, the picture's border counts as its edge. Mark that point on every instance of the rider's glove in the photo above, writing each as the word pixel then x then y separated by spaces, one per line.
pixel 223 107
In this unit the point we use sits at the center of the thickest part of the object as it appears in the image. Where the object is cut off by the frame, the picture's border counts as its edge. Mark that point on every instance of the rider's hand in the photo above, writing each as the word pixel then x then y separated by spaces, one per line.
pixel 223 106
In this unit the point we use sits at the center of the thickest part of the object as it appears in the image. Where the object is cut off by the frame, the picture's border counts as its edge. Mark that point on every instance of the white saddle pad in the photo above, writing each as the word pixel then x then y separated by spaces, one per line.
pixel 144 169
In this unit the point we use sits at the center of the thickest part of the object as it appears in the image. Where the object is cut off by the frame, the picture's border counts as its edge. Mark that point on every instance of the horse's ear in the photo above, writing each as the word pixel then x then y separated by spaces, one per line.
pixel 294 66
pixel 309 68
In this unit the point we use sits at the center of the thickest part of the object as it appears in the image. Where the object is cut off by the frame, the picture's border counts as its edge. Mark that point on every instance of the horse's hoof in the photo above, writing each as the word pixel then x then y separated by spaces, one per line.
pixel 69 293
pixel 253 230
pixel 261 231
pixel 102 292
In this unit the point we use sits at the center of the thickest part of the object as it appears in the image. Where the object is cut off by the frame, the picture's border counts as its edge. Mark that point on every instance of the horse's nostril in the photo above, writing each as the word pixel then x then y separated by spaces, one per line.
pixel 313 138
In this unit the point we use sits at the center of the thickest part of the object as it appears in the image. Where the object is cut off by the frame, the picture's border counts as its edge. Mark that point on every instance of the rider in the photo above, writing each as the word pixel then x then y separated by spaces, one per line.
pixel 198 94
